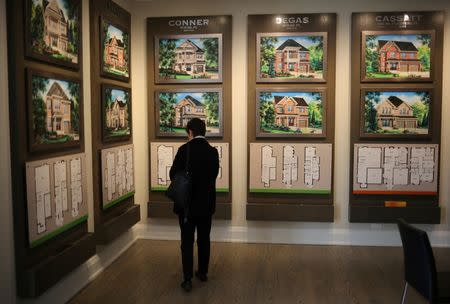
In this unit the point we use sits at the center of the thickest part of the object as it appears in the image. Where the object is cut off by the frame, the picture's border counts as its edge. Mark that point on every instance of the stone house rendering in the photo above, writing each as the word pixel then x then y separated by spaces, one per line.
pixel 398 56
pixel 114 53
pixel 189 58
pixel 58 107
pixel 292 57
pixel 55 28
pixel 117 115
pixel 394 113
pixel 188 108
pixel 291 112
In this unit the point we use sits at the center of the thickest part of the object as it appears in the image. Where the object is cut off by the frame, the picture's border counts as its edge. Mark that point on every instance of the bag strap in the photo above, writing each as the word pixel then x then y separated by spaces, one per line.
pixel 186 166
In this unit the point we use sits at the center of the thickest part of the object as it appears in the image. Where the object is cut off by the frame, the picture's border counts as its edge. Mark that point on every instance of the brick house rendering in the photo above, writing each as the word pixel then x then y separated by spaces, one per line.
pixel 292 57
pixel 189 58
pixel 55 28
pixel 58 107
pixel 398 56
pixel 291 112
pixel 114 53
pixel 188 108
pixel 394 113
pixel 117 115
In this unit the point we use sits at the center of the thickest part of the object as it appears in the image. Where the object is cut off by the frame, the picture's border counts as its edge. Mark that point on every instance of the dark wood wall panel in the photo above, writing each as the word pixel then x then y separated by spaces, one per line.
pixel 291 207
pixel 159 205
pixel 120 217
pixel 371 208
pixel 35 267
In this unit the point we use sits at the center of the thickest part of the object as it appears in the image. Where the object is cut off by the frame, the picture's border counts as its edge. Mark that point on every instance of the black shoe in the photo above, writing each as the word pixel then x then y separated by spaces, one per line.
pixel 186 285
pixel 201 276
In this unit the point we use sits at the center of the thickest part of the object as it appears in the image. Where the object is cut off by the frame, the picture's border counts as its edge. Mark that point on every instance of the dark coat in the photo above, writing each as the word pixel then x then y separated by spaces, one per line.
pixel 203 167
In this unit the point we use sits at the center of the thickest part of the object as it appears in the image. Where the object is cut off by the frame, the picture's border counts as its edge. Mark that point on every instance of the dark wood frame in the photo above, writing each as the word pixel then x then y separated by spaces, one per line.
pixel 120 138
pixel 36 56
pixel 289 80
pixel 321 90
pixel 32 145
pixel 159 80
pixel 397 32
pixel 161 134
pixel 103 73
pixel 396 136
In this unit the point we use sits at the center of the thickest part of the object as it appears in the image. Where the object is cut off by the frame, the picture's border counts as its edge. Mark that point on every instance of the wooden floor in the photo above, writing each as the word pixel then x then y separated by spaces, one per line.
pixel 150 272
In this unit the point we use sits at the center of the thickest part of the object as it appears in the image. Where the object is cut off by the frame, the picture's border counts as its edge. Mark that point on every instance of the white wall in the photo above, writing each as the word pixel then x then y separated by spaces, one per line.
pixel 7 279
pixel 298 232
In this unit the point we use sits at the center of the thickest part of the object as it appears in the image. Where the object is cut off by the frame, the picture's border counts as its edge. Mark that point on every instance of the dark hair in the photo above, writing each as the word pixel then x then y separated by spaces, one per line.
pixel 197 126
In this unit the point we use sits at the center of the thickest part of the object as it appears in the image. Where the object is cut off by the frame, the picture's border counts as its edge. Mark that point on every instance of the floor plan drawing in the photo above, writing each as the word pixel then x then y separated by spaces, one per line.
pixel 395 169
pixel 268 165
pixel 55 191
pixel 166 155
pixel 312 166
pixel 290 168
pixel 117 174
pixel 162 155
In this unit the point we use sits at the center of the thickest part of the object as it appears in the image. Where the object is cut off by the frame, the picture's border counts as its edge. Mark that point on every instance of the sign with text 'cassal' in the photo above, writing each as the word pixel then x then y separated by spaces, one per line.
pixel 403 20
pixel 163 154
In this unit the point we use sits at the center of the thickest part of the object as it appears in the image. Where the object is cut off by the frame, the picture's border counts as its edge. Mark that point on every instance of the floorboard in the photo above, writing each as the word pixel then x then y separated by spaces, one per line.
pixel 150 272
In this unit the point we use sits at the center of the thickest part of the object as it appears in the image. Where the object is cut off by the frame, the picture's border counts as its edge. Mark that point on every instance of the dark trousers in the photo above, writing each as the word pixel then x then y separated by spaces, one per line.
pixel 203 226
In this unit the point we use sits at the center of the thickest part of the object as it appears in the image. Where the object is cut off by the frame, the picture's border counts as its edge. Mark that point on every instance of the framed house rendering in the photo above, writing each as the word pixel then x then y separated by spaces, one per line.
pixel 291 57
pixel 397 56
pixel 52 31
pixel 114 50
pixel 188 58
pixel 290 112
pixel 396 113
pixel 116 105
pixel 174 109
pixel 55 114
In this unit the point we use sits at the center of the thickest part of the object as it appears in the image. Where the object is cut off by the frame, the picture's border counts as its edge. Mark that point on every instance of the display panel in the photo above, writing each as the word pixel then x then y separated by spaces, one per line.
pixel 408 169
pixel 114 50
pixel 117 175
pixel 174 109
pixel 396 113
pixel 53 31
pixel 117 122
pixel 291 57
pixel 290 168
pixel 163 154
pixel 397 55
pixel 188 58
pixel 56 196
pixel 55 114
pixel 284 112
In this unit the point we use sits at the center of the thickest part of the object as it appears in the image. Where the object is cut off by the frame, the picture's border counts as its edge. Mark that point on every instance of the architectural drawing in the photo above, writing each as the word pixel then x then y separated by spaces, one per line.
pixel 268 165
pixel 165 156
pixel 55 192
pixel 290 166
pixel 118 174
pixel 162 156
pixel 312 166
pixel 408 168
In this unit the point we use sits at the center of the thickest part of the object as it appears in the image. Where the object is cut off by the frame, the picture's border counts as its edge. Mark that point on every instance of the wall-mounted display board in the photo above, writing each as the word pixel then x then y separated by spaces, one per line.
pixel 56 194
pixel 47 142
pixel 117 175
pixel 112 136
pixel 291 102
pixel 189 75
pixel 290 168
pixel 397 62
pixel 163 154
